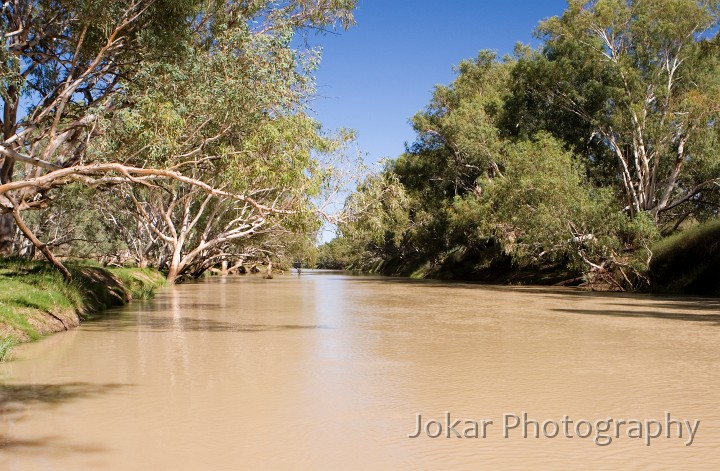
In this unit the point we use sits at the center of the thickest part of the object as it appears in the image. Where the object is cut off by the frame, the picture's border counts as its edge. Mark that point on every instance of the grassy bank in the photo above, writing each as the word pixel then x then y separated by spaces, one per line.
pixel 688 262
pixel 35 301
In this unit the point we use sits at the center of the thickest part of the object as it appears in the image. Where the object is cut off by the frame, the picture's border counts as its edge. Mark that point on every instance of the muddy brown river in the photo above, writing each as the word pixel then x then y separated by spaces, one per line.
pixel 328 371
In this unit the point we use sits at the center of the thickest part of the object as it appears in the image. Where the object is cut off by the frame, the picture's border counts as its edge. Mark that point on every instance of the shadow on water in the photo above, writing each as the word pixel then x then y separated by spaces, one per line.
pixel 189 324
pixel 712 305
pixel 669 301
pixel 50 442
pixel 164 306
pixel 51 393
pixel 713 319
pixel 657 306
pixel 16 398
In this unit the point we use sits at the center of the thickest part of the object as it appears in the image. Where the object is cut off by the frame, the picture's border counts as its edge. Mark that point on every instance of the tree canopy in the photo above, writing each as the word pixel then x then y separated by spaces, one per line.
pixel 189 118
pixel 577 154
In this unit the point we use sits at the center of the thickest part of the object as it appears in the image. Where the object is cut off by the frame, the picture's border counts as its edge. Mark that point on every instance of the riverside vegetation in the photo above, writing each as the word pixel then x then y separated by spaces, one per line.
pixel 593 159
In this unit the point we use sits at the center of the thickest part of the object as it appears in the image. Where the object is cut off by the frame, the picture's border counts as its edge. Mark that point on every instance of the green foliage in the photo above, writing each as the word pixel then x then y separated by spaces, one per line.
pixel 337 254
pixel 73 228
pixel 35 285
pixel 459 126
pixel 377 215
pixel 573 156
pixel 540 204
pixel 139 283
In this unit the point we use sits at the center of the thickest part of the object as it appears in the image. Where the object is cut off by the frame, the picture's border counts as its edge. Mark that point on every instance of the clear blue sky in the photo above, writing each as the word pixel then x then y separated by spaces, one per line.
pixel 374 77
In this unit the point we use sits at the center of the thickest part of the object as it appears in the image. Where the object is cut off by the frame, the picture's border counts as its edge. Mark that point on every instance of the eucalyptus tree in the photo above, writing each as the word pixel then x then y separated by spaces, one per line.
pixel 84 69
pixel 376 224
pixel 61 65
pixel 459 141
pixel 232 114
pixel 460 124
pixel 637 81
pixel 543 211
pixel 471 186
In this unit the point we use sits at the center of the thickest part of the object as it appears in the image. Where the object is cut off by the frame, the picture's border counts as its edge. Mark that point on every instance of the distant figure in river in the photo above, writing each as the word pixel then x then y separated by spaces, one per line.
pixel 298 267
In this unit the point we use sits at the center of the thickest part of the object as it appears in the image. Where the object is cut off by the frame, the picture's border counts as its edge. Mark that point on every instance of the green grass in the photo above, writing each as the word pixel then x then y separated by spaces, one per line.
pixel 33 293
pixel 6 345
pixel 688 262
pixel 141 282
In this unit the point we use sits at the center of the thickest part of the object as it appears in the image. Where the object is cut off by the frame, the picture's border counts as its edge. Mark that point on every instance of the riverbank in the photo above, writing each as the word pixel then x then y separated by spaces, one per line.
pixel 685 263
pixel 35 301
pixel 688 262
pixel 489 266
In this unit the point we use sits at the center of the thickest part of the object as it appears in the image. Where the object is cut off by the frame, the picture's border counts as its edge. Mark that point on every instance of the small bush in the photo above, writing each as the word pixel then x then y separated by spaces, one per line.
pixel 6 346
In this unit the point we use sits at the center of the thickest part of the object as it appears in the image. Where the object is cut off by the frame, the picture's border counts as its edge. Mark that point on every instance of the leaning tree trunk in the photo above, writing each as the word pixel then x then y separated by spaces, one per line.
pixel 7 221
pixel 7 234
pixel 175 268
pixel 173 271
pixel 11 101
pixel 40 245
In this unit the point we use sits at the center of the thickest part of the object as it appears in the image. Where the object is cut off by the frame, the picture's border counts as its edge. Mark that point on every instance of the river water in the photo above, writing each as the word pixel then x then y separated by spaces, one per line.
pixel 330 371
